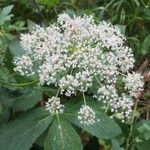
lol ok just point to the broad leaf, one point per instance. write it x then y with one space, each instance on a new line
145 145
62 136
15 48
115 144
141 134
22 133
4 14
7 97
146 45
145 129
106 128
28 99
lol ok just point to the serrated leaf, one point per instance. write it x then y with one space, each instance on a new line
4 14
62 136
106 128
6 10
29 98
21 133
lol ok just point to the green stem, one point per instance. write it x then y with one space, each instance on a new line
98 81
84 98
122 74
20 85
60 128
132 124
57 92
107 108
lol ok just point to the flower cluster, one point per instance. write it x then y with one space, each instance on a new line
54 106
74 52
24 65
86 115
134 82
121 106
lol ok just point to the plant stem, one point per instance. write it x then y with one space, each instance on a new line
57 92
21 84
98 81
132 124
84 98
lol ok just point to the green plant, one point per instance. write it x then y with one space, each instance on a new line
23 101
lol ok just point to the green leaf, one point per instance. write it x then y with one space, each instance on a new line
31 25
146 13
146 45
1 109
29 98
106 128
115 144
143 145
4 14
145 129
62 136
4 117
141 133
15 48
122 28
7 97
22 133
6 10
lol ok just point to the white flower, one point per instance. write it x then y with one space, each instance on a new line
106 93
134 82
50 68
68 84
76 52
86 115
24 65
54 106
84 79
122 107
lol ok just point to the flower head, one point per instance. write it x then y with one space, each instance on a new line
134 82
86 115
54 106
74 52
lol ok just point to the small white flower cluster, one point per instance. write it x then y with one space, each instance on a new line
68 84
86 115
134 82
72 53
120 105
106 93
54 105
48 70
24 65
